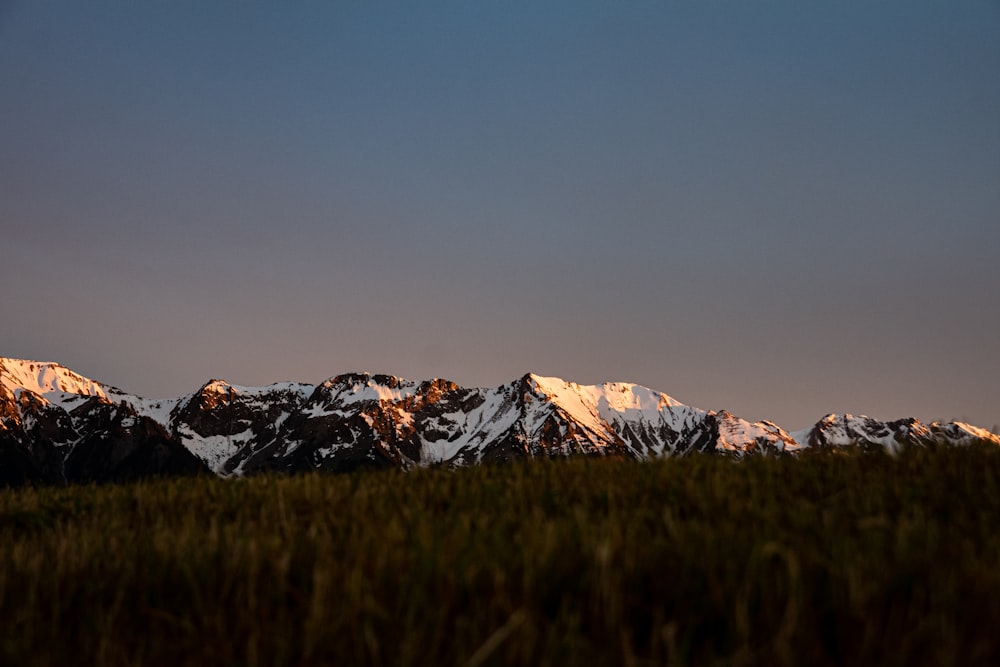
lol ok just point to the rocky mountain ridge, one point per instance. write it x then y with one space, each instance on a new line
57 426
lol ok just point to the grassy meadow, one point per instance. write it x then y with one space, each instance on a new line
825 559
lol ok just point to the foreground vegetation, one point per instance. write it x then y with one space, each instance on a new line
822 560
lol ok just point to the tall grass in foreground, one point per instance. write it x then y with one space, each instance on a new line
821 560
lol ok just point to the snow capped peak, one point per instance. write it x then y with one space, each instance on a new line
737 434
367 379
607 411
623 396
50 380
357 387
968 428
846 430
609 398
547 385
216 386
962 433
224 388
10 364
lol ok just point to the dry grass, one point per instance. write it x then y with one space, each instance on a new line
822 560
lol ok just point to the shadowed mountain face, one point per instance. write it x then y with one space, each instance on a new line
57 426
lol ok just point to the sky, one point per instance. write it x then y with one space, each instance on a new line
783 209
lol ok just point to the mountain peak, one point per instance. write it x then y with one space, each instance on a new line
614 396
349 388
364 378
48 379
217 386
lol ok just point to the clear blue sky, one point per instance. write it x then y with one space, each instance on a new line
778 208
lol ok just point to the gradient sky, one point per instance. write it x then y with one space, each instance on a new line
782 209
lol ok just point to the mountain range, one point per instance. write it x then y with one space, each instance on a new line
57 426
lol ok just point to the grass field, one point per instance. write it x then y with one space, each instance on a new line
835 559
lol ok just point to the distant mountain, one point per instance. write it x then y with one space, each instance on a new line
57 426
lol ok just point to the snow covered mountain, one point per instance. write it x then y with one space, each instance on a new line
57 426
